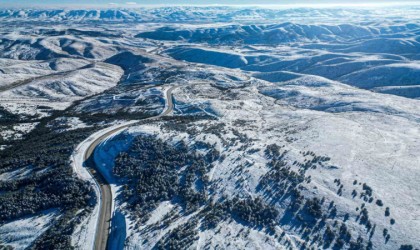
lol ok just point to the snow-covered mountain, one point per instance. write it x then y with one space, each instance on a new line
286 33
186 14
283 128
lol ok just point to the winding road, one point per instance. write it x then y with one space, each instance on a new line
105 206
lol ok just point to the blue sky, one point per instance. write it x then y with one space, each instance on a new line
22 3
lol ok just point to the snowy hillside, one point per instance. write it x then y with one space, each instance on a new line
282 33
210 128
377 71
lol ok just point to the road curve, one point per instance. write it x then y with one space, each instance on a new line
105 206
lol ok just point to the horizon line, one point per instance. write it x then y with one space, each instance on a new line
133 5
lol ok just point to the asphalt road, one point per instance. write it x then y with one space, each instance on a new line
26 81
105 211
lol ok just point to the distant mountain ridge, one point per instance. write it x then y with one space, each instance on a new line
200 14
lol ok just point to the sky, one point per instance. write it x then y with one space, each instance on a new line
30 3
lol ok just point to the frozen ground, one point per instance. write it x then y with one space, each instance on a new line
84 235
361 141
22 232
337 84
17 131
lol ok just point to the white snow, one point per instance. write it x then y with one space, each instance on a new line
20 233
341 82
16 174
16 131
84 235
379 135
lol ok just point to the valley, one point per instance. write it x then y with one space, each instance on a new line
210 128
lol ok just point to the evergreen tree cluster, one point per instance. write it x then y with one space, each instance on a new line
50 184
